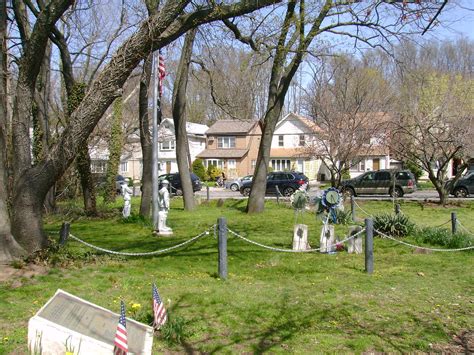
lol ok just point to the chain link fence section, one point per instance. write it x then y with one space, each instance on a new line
418 246
291 250
156 252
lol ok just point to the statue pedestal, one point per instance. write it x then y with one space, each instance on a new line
162 228
300 237
327 241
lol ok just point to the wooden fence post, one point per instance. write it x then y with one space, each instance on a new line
353 209
369 245
207 193
454 222
222 244
64 233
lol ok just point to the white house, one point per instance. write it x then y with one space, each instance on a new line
289 149
131 160
167 144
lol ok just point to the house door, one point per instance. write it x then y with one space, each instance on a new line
376 164
168 167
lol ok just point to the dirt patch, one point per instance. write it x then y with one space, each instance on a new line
462 343
9 273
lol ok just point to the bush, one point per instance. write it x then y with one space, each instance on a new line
396 225
345 174
414 168
443 237
343 217
199 169
213 172
174 331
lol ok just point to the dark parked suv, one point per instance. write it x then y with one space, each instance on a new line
284 182
175 182
380 182
463 187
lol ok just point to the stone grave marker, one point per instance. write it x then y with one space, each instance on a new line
328 239
84 326
300 237
355 244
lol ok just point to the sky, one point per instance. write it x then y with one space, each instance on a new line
456 20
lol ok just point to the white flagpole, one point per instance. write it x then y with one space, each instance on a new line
155 208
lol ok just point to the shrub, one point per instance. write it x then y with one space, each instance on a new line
199 169
443 237
414 168
343 217
397 225
213 172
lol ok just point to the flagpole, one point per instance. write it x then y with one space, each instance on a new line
154 159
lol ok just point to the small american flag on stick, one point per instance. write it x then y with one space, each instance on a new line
159 311
161 71
120 342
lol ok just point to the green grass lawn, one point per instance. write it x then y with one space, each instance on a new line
276 302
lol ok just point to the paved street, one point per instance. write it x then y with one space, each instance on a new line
421 195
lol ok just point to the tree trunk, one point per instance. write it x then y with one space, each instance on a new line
256 201
115 151
161 29
41 121
9 248
179 118
83 166
145 139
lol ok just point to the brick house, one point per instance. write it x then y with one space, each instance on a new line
232 146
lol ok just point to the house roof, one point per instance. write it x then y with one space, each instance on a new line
222 153
191 128
227 127
287 153
306 121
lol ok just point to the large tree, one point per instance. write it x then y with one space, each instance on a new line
435 113
372 23
31 183
348 101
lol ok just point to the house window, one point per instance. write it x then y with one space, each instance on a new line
167 145
226 142
280 141
362 165
124 166
215 162
302 142
231 164
98 166
281 164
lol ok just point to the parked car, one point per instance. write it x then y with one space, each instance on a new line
380 182
175 182
283 182
235 185
463 187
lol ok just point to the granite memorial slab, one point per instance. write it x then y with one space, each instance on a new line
83 326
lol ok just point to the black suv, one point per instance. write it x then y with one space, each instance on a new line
282 182
175 182
380 182
463 187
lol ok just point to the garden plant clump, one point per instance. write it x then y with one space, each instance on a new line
394 224
443 237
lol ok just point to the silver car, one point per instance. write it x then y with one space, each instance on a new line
235 185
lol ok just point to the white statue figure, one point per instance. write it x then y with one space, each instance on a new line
127 197
164 205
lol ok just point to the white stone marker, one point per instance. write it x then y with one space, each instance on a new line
327 241
300 237
355 244
69 319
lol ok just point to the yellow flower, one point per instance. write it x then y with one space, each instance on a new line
136 306
69 353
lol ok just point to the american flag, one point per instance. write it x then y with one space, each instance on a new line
159 311
161 71
120 342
